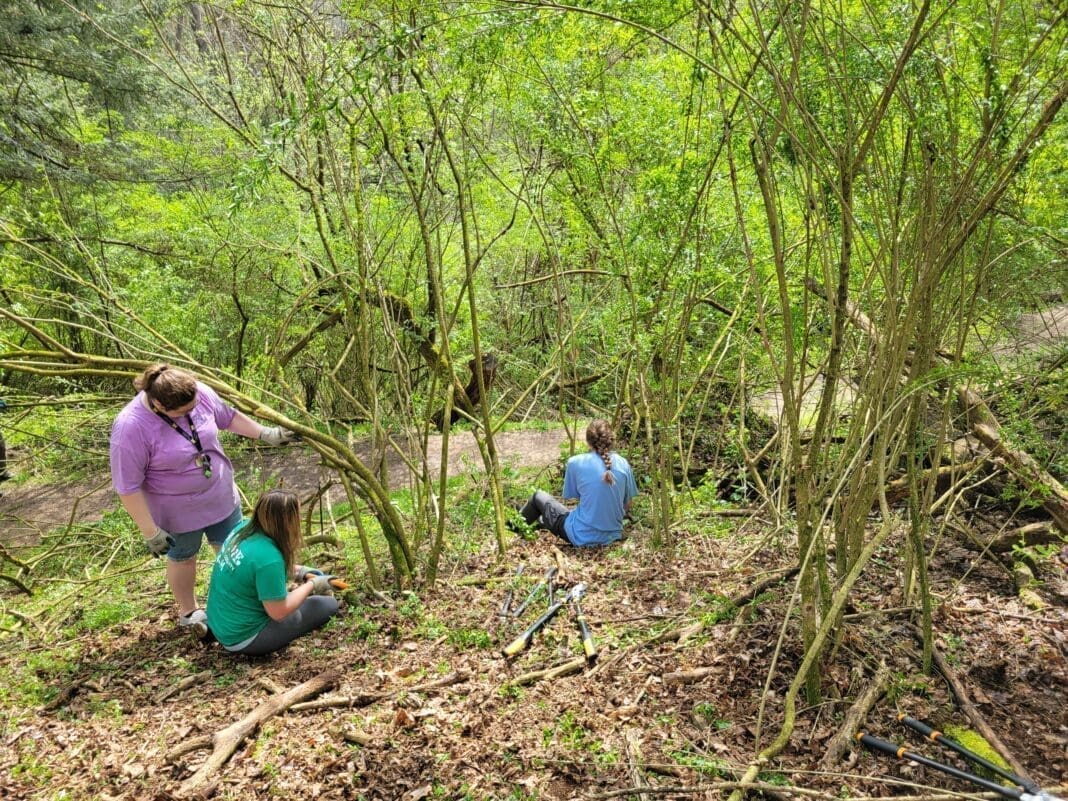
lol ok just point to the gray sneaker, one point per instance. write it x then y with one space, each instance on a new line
196 622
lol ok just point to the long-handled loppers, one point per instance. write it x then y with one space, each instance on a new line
900 752
506 604
588 645
936 736
546 584
520 643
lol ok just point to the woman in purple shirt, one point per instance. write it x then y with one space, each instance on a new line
171 474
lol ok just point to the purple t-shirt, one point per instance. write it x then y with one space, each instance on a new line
149 456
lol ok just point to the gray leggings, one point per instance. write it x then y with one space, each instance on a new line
313 613
544 511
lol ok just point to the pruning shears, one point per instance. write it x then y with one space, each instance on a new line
1026 790
506 604
520 643
589 647
545 583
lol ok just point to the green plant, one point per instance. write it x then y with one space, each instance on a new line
469 638
706 713
709 765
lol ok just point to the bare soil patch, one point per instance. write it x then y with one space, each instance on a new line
29 510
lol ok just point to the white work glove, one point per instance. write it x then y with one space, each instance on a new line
301 573
276 435
321 584
159 543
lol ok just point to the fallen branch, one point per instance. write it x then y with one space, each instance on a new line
843 740
1026 537
566 669
185 683
944 476
1054 496
226 741
366 699
689 676
966 706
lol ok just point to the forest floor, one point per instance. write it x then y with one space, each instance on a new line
420 703
423 705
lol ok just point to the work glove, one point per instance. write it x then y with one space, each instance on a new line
321 584
302 572
276 435
159 543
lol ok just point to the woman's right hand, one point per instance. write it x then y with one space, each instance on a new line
160 542
320 584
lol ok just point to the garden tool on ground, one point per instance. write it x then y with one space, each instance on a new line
506 604
520 643
588 645
936 736
899 751
546 582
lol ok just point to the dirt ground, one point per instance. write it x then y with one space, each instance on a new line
27 511
420 702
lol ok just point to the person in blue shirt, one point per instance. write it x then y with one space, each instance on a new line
604 485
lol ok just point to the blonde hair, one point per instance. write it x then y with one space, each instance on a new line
601 437
170 387
277 514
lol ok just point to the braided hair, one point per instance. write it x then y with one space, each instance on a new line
600 437
170 387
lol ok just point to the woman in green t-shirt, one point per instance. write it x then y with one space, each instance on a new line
249 609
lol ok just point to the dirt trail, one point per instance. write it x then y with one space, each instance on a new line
28 511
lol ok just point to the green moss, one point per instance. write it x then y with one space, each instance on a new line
975 743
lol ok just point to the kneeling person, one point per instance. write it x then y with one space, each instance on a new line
249 609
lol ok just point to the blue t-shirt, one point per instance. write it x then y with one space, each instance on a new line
598 518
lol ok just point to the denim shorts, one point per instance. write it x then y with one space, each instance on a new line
187 543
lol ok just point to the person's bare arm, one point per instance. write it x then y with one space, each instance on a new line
137 507
245 426
277 610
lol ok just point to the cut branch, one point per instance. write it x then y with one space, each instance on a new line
226 741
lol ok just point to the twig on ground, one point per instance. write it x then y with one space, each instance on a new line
840 742
366 699
567 668
184 684
226 741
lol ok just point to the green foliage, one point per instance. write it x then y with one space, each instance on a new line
977 744
568 733
702 763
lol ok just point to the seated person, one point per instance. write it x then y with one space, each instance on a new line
249 609
604 485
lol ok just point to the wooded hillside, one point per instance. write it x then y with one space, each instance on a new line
810 260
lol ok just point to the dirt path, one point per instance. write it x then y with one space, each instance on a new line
28 511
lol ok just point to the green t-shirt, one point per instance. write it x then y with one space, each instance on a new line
243 578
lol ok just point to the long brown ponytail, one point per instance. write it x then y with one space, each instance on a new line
600 437
277 514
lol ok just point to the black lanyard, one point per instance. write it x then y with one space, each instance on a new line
203 460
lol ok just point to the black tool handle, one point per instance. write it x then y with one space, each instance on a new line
936 736
929 732
894 750
520 643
